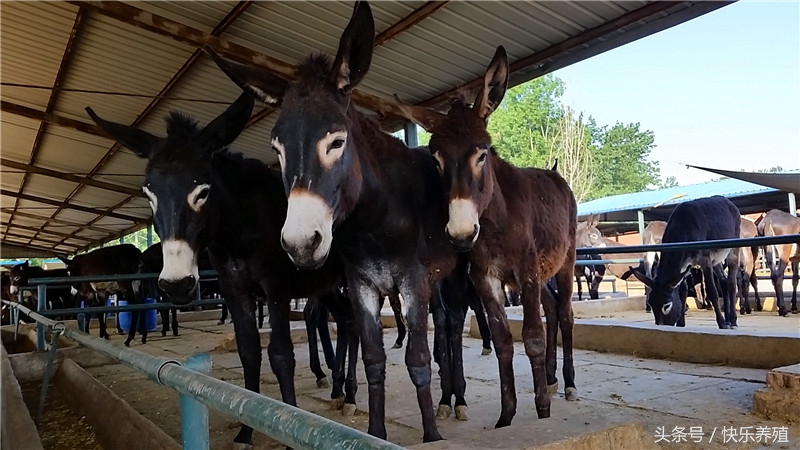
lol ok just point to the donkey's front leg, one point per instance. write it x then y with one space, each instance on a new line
366 308
713 295
490 290
416 293
533 336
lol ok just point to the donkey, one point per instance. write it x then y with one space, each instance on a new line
652 235
57 297
587 235
519 225
352 185
123 259
747 268
204 196
779 223
703 219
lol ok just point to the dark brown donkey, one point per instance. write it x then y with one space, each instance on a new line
520 225
780 223
351 184
204 196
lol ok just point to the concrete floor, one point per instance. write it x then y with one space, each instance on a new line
613 390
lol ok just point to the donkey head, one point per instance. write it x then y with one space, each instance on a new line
314 137
587 234
178 183
18 277
463 151
664 298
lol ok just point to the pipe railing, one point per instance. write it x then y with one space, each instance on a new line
287 424
695 245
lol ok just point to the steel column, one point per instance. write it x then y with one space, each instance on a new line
41 291
640 216
194 415
410 130
792 204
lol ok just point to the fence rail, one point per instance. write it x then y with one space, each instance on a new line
285 423
696 245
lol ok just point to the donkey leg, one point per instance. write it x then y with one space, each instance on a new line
366 308
474 302
490 290
351 382
310 312
397 309
776 275
175 322
551 316
795 280
712 295
456 326
440 348
566 323
340 357
754 283
242 311
280 349
325 337
417 293
164 321
533 337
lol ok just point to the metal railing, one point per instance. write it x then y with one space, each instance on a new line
696 245
285 423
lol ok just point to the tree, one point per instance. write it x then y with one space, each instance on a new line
568 142
668 183
620 157
517 125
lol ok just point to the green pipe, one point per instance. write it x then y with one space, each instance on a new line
285 423
194 415
130 276
125 308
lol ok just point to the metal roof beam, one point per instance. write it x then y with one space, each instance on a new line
416 16
40 239
66 122
34 247
196 38
29 168
66 60
59 221
232 15
54 233
67 205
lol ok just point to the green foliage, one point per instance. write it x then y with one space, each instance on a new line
524 131
517 125
668 183
620 157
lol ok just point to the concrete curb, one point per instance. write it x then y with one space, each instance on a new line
17 429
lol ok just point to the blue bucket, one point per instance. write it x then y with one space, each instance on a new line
150 317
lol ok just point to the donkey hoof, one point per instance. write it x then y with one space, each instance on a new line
552 389
795 311
127 343
443 412
782 312
734 327
571 393
337 403
323 383
398 345
163 333
221 322
349 409
461 413
486 351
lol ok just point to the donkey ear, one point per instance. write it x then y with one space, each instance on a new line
224 129
422 116
265 86
641 276
495 82
355 49
142 143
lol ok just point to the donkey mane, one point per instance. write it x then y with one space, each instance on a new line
181 124
314 70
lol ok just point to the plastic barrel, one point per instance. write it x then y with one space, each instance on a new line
150 317
124 317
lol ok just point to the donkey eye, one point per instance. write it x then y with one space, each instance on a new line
336 144
482 157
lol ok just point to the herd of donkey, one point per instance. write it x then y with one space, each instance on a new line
445 227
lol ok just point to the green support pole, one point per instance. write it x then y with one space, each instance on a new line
194 415
41 291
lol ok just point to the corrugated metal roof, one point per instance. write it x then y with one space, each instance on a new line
124 64
728 187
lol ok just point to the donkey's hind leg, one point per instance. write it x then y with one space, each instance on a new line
566 323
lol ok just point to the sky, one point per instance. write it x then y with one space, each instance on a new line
721 90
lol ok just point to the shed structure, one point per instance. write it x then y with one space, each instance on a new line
66 187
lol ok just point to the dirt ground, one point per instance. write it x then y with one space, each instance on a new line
664 396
